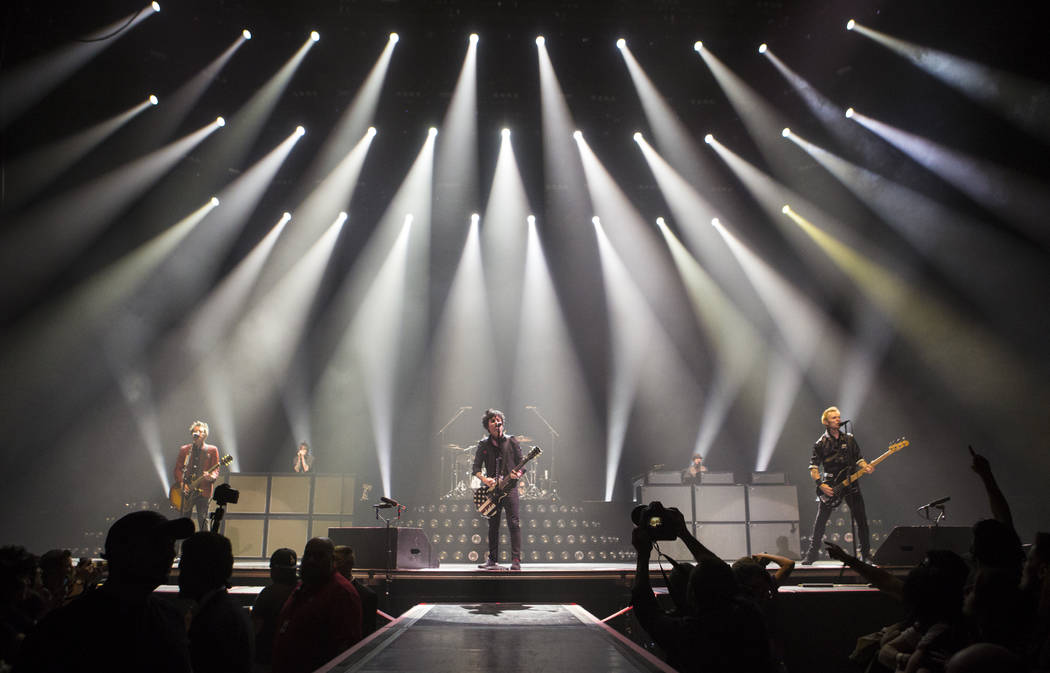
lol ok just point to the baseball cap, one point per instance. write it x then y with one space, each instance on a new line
145 526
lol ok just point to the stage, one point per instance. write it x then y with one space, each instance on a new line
825 593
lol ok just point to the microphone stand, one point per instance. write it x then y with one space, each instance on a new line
852 519
925 509
554 433
389 540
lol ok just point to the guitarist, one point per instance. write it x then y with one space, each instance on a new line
498 454
196 459
838 454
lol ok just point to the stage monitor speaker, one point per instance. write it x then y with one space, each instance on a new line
370 544
907 545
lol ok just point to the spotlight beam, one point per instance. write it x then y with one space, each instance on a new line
1019 199
55 232
944 340
26 85
1017 99
30 173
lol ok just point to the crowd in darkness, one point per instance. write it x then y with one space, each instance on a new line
987 612
57 618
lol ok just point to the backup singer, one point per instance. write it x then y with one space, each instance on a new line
304 459
691 474
197 459
499 454
838 454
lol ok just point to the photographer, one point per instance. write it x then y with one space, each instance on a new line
723 630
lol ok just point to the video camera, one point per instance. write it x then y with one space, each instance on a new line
660 522
226 495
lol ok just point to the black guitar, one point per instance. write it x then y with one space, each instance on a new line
843 480
487 498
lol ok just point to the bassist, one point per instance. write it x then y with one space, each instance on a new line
498 454
837 453
197 459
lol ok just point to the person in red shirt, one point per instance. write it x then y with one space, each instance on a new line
322 617
197 460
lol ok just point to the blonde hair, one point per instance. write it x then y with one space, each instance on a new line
824 416
200 424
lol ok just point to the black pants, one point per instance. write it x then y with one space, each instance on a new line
855 502
509 503
200 503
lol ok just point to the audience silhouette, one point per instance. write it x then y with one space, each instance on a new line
220 635
122 626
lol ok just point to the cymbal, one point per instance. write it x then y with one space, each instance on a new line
456 447
524 438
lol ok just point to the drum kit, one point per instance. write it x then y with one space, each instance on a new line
535 484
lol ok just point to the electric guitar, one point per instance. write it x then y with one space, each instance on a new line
487 498
843 480
180 497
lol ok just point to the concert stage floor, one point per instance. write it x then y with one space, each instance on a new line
505 637
820 613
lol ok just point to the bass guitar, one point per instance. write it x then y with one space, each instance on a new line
487 498
178 496
843 480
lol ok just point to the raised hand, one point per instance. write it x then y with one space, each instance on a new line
980 464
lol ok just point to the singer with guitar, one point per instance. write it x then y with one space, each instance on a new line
196 461
499 454
837 452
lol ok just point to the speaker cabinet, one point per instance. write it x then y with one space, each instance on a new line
246 536
720 503
907 545
780 538
773 503
678 496
410 547
291 533
727 540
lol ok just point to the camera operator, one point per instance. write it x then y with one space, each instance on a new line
722 629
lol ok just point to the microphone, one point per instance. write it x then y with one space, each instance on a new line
935 503
388 502
844 421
